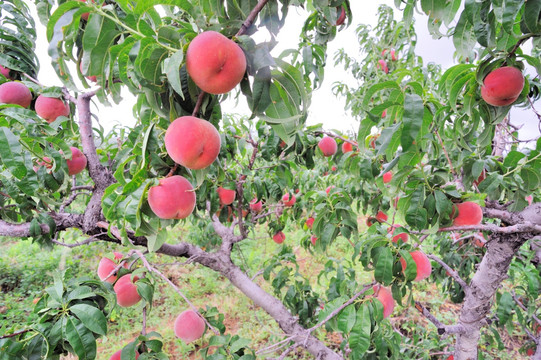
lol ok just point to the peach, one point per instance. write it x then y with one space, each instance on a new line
313 240
402 236
51 108
530 351
384 113
386 298
334 168
529 199
189 326
469 213
424 268
226 196
310 222
77 162
451 357
107 265
279 237
13 92
387 177
126 291
341 17
329 188
382 64
328 146
347 147
116 356
5 71
173 198
287 201
502 86
480 240
380 217
215 63
192 142
256 206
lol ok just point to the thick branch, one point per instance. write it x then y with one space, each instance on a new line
452 272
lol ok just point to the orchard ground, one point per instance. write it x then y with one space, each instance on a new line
25 270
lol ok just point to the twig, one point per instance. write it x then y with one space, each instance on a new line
452 272
251 17
198 103
442 329
91 239
15 334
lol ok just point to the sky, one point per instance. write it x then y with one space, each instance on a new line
325 108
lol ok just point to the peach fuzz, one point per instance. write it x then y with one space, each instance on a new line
347 147
215 63
310 222
387 177
328 146
5 71
51 108
116 356
402 236
106 266
77 162
13 92
386 298
173 198
287 201
256 206
126 291
192 142
502 86
469 213
189 326
279 237
226 196
424 267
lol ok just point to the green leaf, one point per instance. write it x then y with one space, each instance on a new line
384 266
412 119
11 153
155 241
346 319
505 308
532 12
510 12
512 159
80 338
359 337
172 70
91 317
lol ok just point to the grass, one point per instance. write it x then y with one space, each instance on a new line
25 269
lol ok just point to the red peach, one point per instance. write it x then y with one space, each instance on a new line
328 146
77 162
226 196
329 188
384 113
126 291
393 55
5 71
386 299
502 86
529 199
382 64
116 356
480 240
530 351
192 142
310 222
334 168
173 198
313 240
287 201
51 108
451 357
402 236
341 17
14 92
387 177
469 213
380 217
279 237
424 267
189 326
347 147
256 206
85 16
215 63
107 265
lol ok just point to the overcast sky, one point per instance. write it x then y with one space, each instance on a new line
324 108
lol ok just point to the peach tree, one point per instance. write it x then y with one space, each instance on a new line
436 165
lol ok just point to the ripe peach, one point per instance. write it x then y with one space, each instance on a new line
480 240
173 198
451 357
189 326
313 240
215 63
116 356
380 217
384 113
226 196
77 162
334 168
310 222
347 147
192 142
287 201
85 16
329 188
402 236
424 268
256 206
13 92
387 177
126 291
279 237
529 199
50 108
469 213
386 299
341 17
530 351
328 146
5 71
502 86
382 64
107 265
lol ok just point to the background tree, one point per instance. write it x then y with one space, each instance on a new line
436 165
